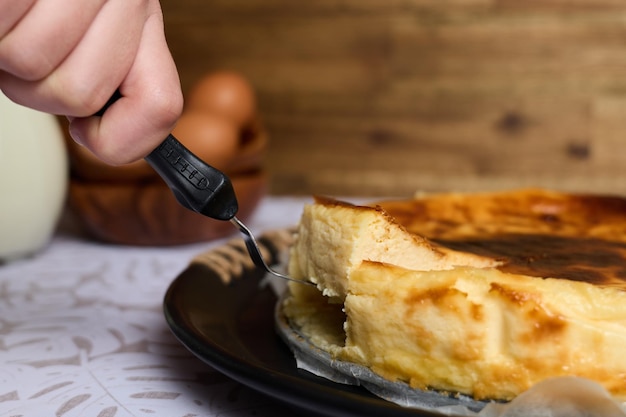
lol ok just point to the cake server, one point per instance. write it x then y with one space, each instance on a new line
206 190
202 188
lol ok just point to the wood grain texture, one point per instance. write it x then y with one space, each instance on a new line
379 98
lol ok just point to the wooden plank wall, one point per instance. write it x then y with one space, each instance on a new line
386 97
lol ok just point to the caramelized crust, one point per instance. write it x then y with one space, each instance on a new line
530 232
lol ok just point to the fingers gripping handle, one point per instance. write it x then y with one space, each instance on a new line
195 184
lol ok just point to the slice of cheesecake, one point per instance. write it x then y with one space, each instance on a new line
334 237
481 294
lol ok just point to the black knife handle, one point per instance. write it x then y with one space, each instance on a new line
195 184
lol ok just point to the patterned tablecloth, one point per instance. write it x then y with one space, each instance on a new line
82 333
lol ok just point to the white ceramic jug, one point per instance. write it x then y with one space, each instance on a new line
34 178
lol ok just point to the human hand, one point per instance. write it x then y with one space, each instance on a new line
68 57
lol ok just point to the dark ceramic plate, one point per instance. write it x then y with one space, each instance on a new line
231 327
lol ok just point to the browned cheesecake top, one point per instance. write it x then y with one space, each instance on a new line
532 232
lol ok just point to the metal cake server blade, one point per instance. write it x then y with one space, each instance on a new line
255 253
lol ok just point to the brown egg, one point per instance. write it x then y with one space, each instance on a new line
212 138
251 153
226 94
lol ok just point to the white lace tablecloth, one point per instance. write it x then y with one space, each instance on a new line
82 333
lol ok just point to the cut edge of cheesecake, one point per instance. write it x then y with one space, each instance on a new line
481 331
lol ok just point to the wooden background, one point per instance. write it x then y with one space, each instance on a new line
386 97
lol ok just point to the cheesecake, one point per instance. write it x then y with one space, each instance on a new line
482 294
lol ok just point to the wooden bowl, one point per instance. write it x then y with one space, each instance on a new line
148 214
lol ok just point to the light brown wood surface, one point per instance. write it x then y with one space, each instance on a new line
386 97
